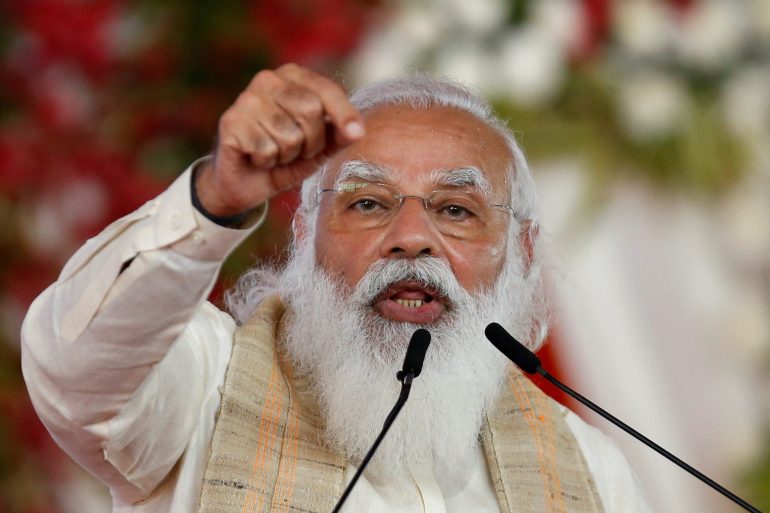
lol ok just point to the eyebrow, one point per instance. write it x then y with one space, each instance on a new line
361 170
468 176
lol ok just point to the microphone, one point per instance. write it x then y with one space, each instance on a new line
415 356
529 363
512 348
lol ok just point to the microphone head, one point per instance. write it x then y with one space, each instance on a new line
512 348
415 352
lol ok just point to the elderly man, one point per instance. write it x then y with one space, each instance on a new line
417 210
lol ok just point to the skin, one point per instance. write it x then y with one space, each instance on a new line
289 121
276 134
413 143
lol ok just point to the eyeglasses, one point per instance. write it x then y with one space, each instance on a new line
456 213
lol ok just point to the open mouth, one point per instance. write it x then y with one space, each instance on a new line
411 301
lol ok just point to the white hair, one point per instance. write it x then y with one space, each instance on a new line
349 357
422 91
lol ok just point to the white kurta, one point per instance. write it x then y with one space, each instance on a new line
125 370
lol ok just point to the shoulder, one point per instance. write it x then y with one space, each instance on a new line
616 482
208 336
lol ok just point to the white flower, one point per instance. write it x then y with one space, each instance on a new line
713 33
132 32
58 214
745 239
563 20
643 27
476 16
67 93
531 66
652 104
420 25
746 101
470 63
385 54
744 232
416 28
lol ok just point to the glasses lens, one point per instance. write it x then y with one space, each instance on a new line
454 212
460 213
364 205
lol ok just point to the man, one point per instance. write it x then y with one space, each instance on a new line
417 210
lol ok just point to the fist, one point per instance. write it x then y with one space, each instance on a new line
276 134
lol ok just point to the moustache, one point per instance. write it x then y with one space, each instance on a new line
431 273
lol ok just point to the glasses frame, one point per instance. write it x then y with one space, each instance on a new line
400 197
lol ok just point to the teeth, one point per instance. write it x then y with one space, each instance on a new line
410 303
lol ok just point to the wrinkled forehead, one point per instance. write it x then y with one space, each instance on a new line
420 148
465 177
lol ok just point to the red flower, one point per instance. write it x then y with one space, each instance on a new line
310 32
66 30
597 20
127 187
20 158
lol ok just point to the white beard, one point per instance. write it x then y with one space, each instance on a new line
350 356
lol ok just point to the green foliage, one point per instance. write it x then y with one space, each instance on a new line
757 479
702 158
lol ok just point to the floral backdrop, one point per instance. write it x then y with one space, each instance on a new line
104 102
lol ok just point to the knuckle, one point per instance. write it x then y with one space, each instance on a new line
264 78
286 127
226 121
265 147
291 68
310 106
291 139
302 102
264 154
227 141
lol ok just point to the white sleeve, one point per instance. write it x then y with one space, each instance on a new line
618 486
94 344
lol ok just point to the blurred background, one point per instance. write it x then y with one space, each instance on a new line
647 125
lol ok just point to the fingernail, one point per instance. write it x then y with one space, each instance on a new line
354 129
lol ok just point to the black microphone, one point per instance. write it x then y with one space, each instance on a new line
529 363
415 356
512 348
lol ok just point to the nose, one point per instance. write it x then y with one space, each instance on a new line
410 233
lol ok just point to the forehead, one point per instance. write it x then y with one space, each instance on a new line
416 143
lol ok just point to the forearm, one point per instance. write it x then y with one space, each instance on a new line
97 334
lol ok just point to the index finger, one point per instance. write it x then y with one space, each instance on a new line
345 118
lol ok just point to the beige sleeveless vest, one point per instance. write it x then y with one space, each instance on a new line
266 454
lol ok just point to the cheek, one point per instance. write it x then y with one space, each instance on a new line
477 266
327 244
327 252
344 255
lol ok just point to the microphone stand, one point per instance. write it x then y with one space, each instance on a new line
649 443
528 362
406 378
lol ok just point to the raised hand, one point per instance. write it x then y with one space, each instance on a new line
276 134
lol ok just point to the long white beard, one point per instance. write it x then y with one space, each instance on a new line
351 356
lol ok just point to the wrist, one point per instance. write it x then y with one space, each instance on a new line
236 219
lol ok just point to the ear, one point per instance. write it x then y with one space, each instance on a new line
528 235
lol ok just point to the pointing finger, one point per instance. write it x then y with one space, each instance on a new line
346 120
